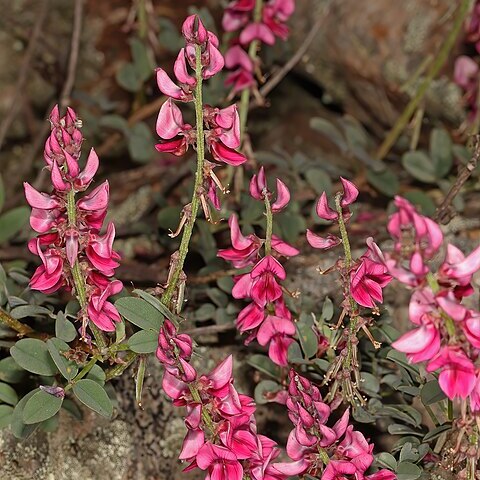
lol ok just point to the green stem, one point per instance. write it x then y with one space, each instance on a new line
343 233
78 279
252 53
269 226
440 60
195 204
83 371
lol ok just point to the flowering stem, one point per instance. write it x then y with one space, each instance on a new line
343 233
252 53
269 227
187 231
78 279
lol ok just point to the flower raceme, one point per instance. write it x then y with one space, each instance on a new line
447 332
251 24
69 232
327 453
220 128
221 437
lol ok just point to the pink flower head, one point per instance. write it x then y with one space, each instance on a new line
458 268
414 233
221 463
172 345
457 375
194 31
182 93
367 281
257 31
176 135
100 311
349 195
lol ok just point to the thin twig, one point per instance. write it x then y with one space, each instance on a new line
280 74
24 69
22 329
440 60
442 212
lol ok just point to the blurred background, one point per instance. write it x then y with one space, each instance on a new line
371 90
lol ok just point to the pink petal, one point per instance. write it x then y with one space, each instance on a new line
167 87
192 443
350 192
283 197
225 154
257 31
269 264
57 178
283 248
169 121
323 209
216 61
180 70
96 200
316 241
239 242
39 200
222 374
193 30
90 169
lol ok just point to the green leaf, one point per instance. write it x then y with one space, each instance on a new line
115 122
40 407
422 201
140 313
169 217
408 471
169 37
156 303
141 59
140 143
128 78
97 374
265 365
441 151
330 131
32 355
205 312
10 371
264 389
398 429
431 393
319 180
306 335
327 309
218 297
23 311
369 384
57 347
8 394
387 460
385 181
19 428
65 329
436 432
401 359
420 166
93 395
361 415
12 222
6 413
145 341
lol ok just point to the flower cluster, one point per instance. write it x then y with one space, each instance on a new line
367 277
447 332
266 318
222 436
74 254
327 453
220 128
252 25
466 71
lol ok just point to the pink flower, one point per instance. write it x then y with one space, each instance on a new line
100 251
367 281
259 190
457 376
350 194
475 395
419 344
48 277
277 332
322 243
100 311
221 463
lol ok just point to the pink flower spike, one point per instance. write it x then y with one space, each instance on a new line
57 179
316 241
283 197
169 120
193 30
96 200
323 209
181 72
39 200
350 192
257 31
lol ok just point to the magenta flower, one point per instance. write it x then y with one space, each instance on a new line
367 281
420 344
277 332
457 377
65 241
221 463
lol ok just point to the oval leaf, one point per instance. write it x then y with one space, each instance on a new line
8 394
57 347
420 166
64 329
19 428
91 394
140 313
145 341
6 413
32 355
40 407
